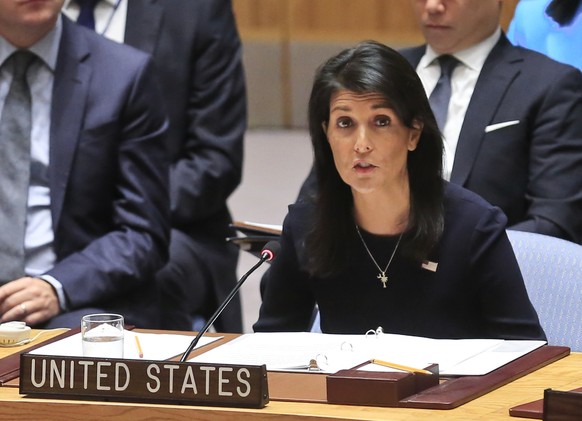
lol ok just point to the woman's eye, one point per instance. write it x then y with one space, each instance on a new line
343 123
383 121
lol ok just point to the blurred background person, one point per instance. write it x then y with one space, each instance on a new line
387 242
511 118
553 28
198 54
513 123
86 229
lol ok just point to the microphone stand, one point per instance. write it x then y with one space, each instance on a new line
264 257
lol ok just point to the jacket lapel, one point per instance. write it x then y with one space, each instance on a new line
414 54
499 70
70 92
144 18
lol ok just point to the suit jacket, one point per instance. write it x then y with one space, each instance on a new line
532 167
108 176
198 55
188 40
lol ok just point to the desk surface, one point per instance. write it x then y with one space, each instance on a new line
564 374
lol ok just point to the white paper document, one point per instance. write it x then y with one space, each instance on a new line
331 353
155 346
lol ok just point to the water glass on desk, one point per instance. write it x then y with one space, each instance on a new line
102 335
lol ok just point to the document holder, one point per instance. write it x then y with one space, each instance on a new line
374 388
562 406
534 409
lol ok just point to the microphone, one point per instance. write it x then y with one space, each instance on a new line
268 253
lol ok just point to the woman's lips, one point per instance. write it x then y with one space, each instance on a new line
363 167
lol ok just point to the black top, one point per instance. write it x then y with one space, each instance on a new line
477 290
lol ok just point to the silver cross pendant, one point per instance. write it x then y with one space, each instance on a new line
383 278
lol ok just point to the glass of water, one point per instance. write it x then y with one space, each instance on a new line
102 335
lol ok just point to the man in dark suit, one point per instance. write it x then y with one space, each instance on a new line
514 124
513 130
97 215
197 51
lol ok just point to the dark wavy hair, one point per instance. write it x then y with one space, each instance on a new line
371 67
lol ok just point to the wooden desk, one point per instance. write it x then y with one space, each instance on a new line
565 374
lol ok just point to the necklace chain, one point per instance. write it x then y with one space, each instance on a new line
382 275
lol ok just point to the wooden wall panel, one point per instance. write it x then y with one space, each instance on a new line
261 19
390 21
286 39
341 20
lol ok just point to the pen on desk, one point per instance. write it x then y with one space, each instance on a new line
400 367
138 346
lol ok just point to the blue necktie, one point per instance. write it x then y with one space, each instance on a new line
86 16
441 95
15 129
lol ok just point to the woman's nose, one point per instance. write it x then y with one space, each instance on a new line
363 143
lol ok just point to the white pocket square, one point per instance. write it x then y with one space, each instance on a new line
498 126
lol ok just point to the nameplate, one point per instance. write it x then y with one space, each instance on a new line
143 381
